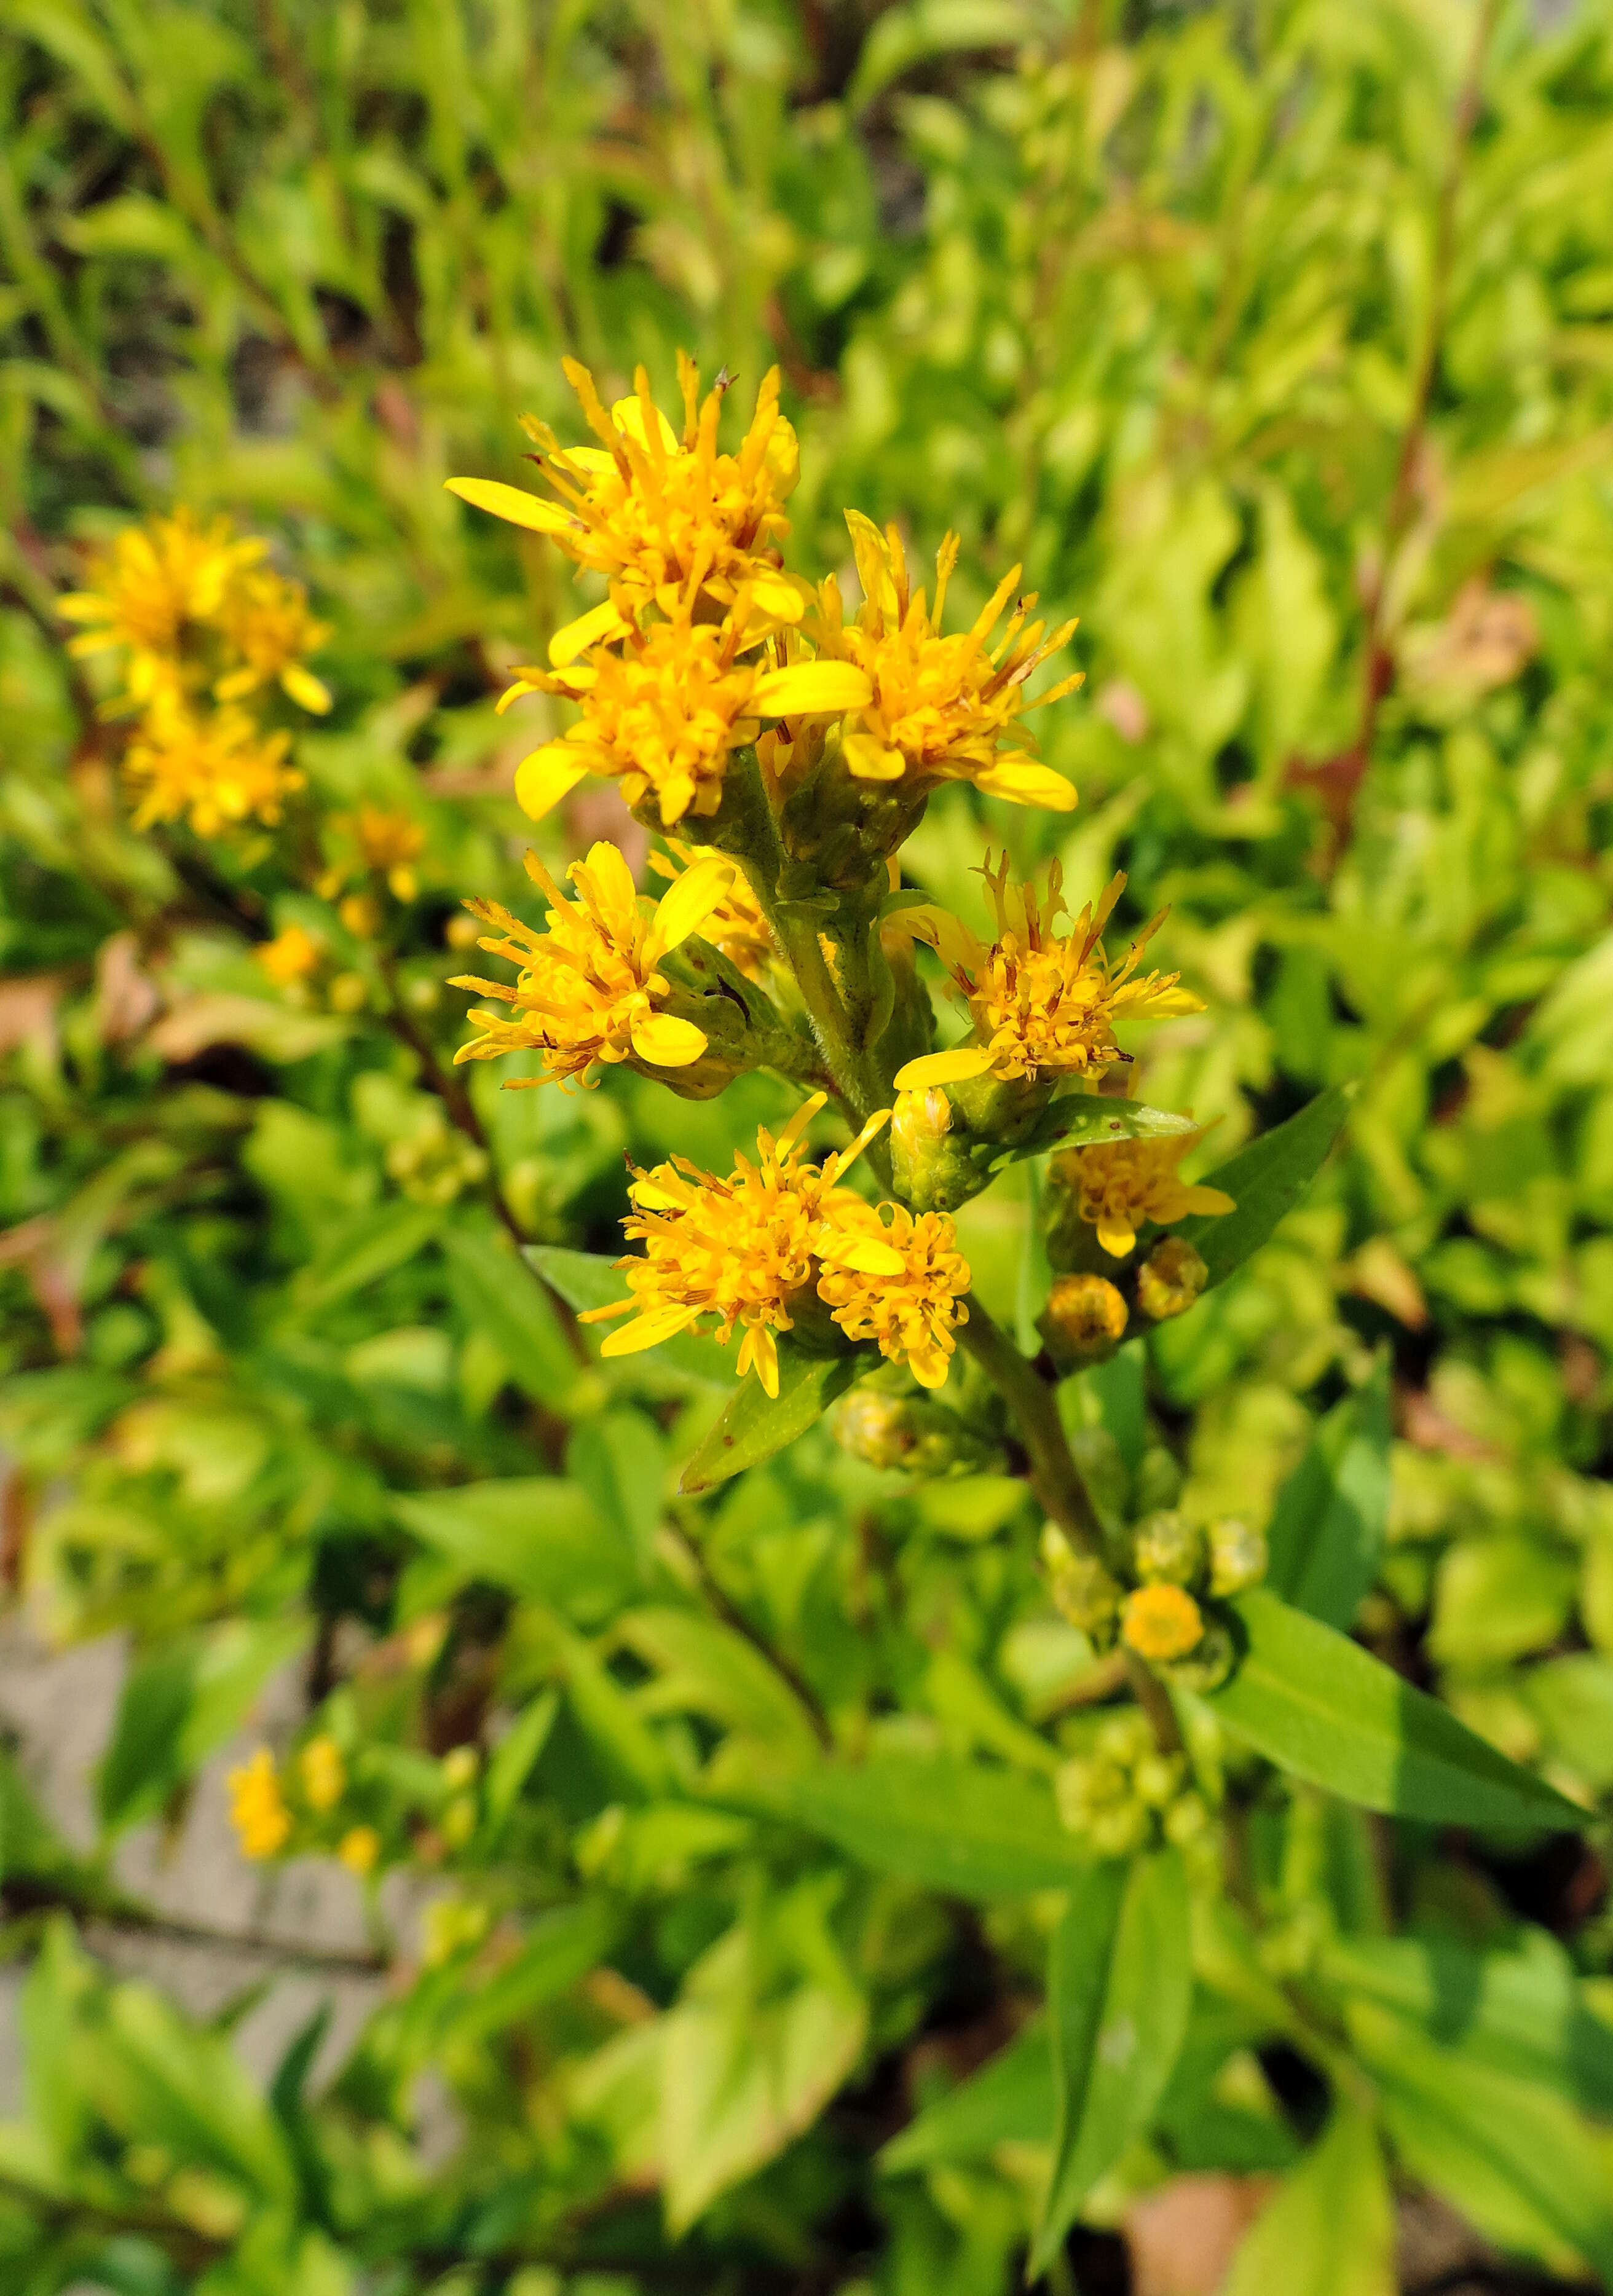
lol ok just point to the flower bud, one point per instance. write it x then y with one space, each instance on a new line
1162 1623
1238 1556
1084 1318
1084 1592
1167 1549
1212 1659
1158 1481
907 1432
931 1164
1169 1279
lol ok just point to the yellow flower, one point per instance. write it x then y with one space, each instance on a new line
652 509
898 1278
1038 1000
359 1849
258 1810
1086 1312
939 707
1121 1183
154 580
219 769
290 957
663 713
1162 1623
743 1250
391 843
735 925
266 622
588 990
323 1773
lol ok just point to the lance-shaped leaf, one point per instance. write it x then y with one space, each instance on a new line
1330 2229
1120 1988
1010 2100
1087 1120
587 1279
1328 1711
1265 1180
967 1827
1326 1532
756 1423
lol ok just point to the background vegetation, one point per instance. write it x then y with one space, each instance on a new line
1274 339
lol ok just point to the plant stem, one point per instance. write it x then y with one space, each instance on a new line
1034 1408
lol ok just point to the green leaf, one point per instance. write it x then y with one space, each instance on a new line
560 1945
756 1423
1010 2100
1327 1531
1085 1119
535 1534
30 1848
904 36
1330 2229
1324 1709
512 1760
497 1295
620 1460
963 1827
584 1280
364 1249
179 1704
704 1668
1265 1181
1120 1988
1513 2157
1521 2012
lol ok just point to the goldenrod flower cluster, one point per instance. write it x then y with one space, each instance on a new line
262 1815
1127 1793
1121 1185
764 1247
202 626
702 637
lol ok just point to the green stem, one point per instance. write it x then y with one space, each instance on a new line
1034 1408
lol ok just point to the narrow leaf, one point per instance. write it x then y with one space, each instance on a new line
1326 1710
1265 1181
535 1534
1330 2230
586 1279
1085 1119
1010 2100
756 1423
497 1295
965 1827
1120 1988
1326 1532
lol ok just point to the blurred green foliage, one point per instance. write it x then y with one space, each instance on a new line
1274 341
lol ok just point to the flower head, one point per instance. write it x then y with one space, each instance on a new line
940 708
1039 1000
219 769
266 624
359 1849
735 925
290 957
154 581
650 507
899 1278
258 1810
1162 1623
588 989
742 1248
389 844
1121 1183
663 712
322 1772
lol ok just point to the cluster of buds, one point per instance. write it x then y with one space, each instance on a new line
204 633
911 1432
1127 1795
1159 1597
301 1808
1102 1197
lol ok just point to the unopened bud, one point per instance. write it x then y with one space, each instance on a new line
906 1431
1167 1549
1211 1660
1169 1279
1162 1623
1238 1556
930 1162
1084 1592
1084 1319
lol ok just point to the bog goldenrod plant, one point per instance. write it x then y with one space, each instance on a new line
953 1604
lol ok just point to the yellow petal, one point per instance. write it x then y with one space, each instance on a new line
648 1332
607 863
667 1042
929 1366
547 775
1023 781
869 1257
872 554
1209 1200
870 760
1115 1238
691 900
955 1067
778 595
806 689
512 503
628 415
594 460
305 689
600 623
953 943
